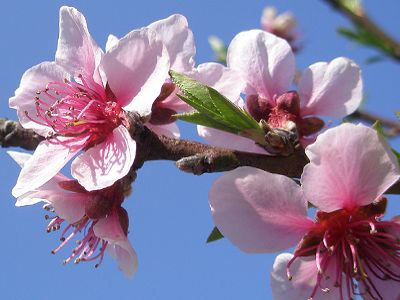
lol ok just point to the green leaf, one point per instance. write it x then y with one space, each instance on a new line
200 119
219 48
374 59
215 235
398 114
379 128
215 110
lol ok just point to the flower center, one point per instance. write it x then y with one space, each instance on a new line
358 245
283 111
98 204
79 116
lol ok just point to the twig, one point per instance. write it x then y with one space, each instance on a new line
360 18
190 156
393 127
12 134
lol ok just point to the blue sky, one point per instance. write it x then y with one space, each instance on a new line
169 213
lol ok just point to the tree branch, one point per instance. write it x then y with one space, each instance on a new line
393 127
12 134
360 18
190 156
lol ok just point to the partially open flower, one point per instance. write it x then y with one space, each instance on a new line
347 249
266 63
282 25
78 102
95 220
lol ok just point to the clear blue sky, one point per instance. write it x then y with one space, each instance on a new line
169 213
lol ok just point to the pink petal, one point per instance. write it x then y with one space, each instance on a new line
126 256
175 103
105 163
304 272
350 165
68 206
77 52
169 130
259 211
136 68
112 40
226 81
265 61
37 170
33 80
110 230
175 33
331 89
387 289
228 140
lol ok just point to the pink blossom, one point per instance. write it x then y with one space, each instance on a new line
266 63
178 38
78 102
348 248
282 25
96 216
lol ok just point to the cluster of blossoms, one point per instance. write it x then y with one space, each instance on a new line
347 249
81 104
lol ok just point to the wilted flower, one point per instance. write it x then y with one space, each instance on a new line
348 249
97 217
79 102
266 63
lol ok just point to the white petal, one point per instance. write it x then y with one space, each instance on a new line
105 163
175 33
37 170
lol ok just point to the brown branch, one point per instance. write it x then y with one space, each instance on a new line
360 18
12 134
393 127
190 156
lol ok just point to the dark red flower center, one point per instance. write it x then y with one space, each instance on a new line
360 247
283 111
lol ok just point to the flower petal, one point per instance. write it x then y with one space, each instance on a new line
34 80
76 51
37 170
112 40
331 89
110 230
169 130
387 289
19 157
105 163
226 81
350 165
228 140
136 68
175 33
265 61
259 211
126 256
304 272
